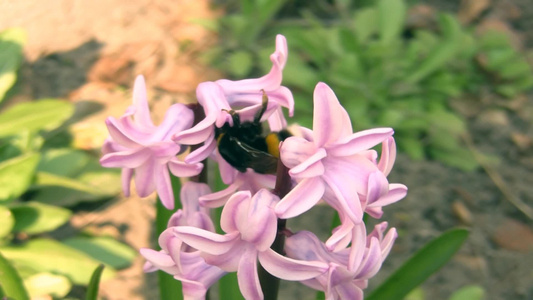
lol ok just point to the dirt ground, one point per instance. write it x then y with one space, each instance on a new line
92 50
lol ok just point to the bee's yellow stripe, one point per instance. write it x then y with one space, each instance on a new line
272 141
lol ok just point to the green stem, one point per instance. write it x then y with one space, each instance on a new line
169 288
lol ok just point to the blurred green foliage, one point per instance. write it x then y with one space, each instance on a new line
384 73
41 178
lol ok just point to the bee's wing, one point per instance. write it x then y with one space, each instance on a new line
260 161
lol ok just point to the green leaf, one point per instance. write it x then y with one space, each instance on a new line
46 255
391 19
33 217
64 191
420 266
63 162
94 284
11 43
10 282
229 287
240 63
16 175
6 221
460 158
443 52
44 284
469 292
44 114
104 249
365 23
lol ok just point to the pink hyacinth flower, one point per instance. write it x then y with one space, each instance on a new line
250 225
138 146
243 96
333 161
178 259
346 272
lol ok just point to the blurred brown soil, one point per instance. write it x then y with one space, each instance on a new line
90 52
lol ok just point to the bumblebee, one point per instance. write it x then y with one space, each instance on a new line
244 145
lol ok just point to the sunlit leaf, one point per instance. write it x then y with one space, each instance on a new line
33 217
44 284
10 282
104 249
11 43
46 255
420 266
16 175
469 292
43 114
6 221
94 284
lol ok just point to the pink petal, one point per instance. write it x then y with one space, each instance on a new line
290 269
219 198
227 172
357 250
232 210
190 194
247 276
144 178
296 150
181 169
277 121
130 159
203 152
198 134
328 116
359 141
140 102
388 156
270 81
164 187
157 258
177 118
311 167
372 261
259 227
349 291
119 135
206 241
346 197
378 186
388 242
396 193
301 198
126 176
341 237
192 290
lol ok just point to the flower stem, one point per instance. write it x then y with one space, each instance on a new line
269 283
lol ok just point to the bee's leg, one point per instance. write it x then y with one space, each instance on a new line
259 114
234 116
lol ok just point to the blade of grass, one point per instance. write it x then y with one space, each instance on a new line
169 288
94 284
420 266
10 282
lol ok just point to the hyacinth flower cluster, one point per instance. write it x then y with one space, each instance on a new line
327 165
